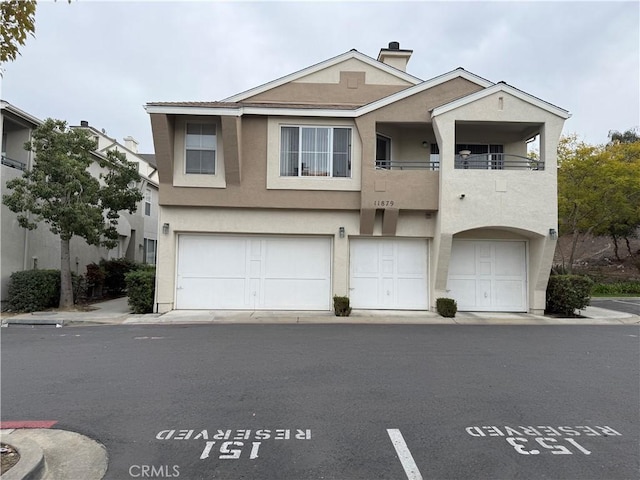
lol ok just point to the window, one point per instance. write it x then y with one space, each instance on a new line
150 250
201 149
315 152
147 202
383 151
481 156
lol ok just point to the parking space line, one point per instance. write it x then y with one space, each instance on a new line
408 463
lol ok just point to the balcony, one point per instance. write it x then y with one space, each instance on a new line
496 161
9 162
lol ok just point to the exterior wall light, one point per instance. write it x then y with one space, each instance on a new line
464 153
341 232
425 144
165 228
553 233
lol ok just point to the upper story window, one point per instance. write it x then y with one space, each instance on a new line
147 202
315 152
200 149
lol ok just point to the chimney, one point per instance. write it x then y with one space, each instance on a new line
131 143
84 123
394 56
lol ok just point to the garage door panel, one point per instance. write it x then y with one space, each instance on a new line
408 291
201 256
509 293
463 260
202 293
287 294
411 258
464 292
509 260
364 259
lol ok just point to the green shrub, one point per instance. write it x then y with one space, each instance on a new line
618 288
95 280
446 307
567 293
141 288
33 290
341 306
114 273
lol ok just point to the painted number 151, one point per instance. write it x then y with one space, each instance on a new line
523 447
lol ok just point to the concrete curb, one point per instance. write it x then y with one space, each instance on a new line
31 465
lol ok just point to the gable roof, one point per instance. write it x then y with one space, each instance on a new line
501 87
321 66
421 87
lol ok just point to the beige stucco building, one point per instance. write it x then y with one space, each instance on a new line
24 249
353 177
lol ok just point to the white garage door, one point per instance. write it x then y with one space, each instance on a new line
388 274
247 273
488 275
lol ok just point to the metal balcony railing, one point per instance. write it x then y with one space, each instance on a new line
9 162
407 165
497 161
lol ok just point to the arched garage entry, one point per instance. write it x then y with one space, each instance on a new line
488 271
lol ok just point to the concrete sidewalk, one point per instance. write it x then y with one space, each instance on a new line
50 454
117 312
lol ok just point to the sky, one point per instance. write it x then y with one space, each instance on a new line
101 61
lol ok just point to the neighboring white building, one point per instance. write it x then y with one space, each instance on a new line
23 249
353 177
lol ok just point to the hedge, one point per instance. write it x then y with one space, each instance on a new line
114 274
141 289
568 293
33 290
617 288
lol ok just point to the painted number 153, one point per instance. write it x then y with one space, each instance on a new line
524 447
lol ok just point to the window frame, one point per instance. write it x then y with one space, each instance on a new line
331 151
147 202
147 242
214 149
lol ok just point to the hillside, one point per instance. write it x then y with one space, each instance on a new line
595 256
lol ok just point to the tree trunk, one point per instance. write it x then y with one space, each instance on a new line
626 239
615 246
66 286
574 244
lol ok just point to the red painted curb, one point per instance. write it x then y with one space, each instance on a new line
28 424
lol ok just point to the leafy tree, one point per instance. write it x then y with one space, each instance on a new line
628 136
622 219
17 20
598 190
61 191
